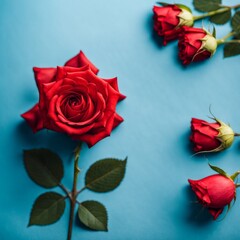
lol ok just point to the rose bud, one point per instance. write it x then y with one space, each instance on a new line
214 192
195 44
211 137
169 19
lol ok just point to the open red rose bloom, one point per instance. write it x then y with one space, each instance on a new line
74 100
214 192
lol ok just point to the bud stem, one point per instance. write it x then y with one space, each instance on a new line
212 13
237 185
236 134
223 39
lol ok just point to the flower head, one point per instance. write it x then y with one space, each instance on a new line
169 19
214 192
74 100
210 137
195 44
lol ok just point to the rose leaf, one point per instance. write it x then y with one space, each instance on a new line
207 5
93 215
44 167
105 175
231 49
47 209
221 18
235 22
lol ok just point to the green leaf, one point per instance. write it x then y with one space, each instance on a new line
105 175
163 3
184 7
207 5
93 215
221 18
236 22
44 167
231 49
237 36
218 170
47 209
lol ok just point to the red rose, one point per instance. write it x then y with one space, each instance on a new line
195 44
214 192
74 100
210 137
168 20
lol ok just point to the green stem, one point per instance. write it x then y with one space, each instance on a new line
237 185
212 13
78 192
65 190
232 7
232 41
218 11
74 191
223 39
237 134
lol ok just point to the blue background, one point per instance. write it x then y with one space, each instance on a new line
154 200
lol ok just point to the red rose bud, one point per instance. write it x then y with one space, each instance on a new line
169 19
210 137
214 192
195 44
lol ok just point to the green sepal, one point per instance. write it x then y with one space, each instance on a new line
218 170
233 176
228 208
182 6
163 3
214 32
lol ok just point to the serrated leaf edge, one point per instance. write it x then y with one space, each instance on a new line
32 224
105 227
47 170
123 161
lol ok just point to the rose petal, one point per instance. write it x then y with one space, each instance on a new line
81 60
62 71
44 75
117 120
215 212
34 118
114 83
95 135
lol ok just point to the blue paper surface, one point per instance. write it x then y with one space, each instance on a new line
154 202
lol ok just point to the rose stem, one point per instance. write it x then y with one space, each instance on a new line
74 191
223 39
212 13
65 190
237 134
